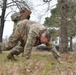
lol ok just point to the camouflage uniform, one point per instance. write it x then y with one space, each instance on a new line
28 33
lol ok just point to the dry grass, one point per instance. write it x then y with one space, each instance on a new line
40 63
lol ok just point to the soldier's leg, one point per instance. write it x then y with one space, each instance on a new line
13 40
15 51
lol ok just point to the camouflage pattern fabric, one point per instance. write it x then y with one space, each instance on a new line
15 16
53 49
28 33
18 49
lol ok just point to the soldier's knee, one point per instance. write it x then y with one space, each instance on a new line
16 52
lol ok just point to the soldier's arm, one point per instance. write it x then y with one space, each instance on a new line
53 50
31 40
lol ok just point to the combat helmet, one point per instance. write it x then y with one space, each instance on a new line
15 16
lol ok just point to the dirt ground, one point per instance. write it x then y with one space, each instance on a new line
40 63
68 67
69 57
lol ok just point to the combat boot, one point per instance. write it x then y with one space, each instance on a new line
11 56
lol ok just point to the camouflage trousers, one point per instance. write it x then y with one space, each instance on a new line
18 49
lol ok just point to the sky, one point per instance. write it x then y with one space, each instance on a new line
37 15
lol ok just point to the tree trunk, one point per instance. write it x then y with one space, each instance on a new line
71 44
63 34
2 19
0 33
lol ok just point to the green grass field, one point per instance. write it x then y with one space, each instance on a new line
40 63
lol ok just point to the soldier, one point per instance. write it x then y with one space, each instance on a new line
17 17
30 34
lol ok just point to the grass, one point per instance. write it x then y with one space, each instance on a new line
40 63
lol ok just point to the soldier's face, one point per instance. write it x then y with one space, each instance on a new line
43 39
